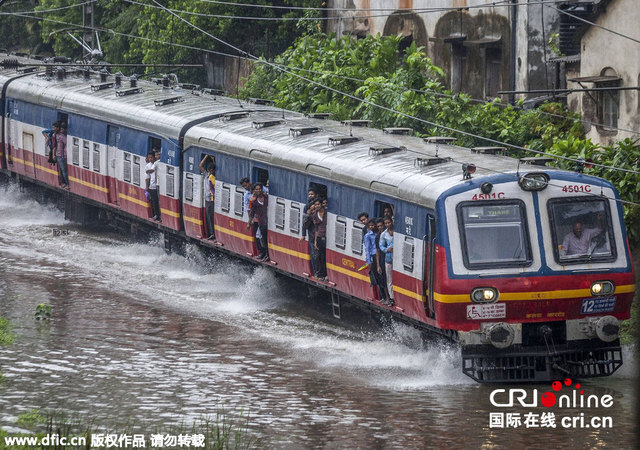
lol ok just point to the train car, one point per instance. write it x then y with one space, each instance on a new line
527 267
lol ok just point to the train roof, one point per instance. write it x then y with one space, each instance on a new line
401 166
416 169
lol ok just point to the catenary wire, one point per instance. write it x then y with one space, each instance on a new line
593 24
391 110
440 126
261 61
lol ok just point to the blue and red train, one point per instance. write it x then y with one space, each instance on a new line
484 250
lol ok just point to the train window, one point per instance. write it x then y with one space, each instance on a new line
280 208
581 230
384 209
27 141
494 235
238 201
188 187
126 168
321 189
225 198
260 175
96 157
153 143
356 237
170 181
294 218
75 152
408 250
136 170
85 154
341 232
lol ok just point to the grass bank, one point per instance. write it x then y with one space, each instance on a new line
219 433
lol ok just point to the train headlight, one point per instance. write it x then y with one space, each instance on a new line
484 295
500 335
602 288
536 181
607 328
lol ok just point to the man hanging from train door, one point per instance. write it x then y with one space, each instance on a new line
386 246
258 220
209 191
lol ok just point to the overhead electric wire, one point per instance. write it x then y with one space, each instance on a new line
254 58
593 24
338 18
261 61
40 11
391 110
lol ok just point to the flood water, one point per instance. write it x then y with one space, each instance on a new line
141 336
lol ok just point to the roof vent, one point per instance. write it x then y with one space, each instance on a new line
398 130
27 69
168 100
356 123
536 161
383 150
267 123
342 140
439 140
104 73
130 91
235 115
488 150
300 131
100 87
213 91
323 116
261 101
429 161
190 87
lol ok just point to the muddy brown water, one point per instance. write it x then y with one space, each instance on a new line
140 336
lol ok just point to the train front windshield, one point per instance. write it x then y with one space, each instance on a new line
582 230
494 234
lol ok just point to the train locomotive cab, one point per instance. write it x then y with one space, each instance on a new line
535 275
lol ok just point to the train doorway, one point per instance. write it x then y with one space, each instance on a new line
429 266
113 139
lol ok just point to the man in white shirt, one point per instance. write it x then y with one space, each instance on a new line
154 196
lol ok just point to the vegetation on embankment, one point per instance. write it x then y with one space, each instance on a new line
6 336
216 434
409 87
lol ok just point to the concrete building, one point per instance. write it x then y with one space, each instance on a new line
609 59
483 48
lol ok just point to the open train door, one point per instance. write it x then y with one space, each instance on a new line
113 139
429 266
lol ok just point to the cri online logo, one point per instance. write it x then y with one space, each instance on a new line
506 398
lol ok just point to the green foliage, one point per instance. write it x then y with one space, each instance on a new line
43 312
20 33
623 154
219 433
30 419
6 336
407 83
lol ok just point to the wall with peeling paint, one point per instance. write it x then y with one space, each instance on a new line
601 49
469 39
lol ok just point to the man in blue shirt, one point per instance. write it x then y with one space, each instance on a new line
386 247
371 251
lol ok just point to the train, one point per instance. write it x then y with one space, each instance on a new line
484 252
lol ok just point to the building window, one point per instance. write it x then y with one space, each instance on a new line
458 66
493 71
609 100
